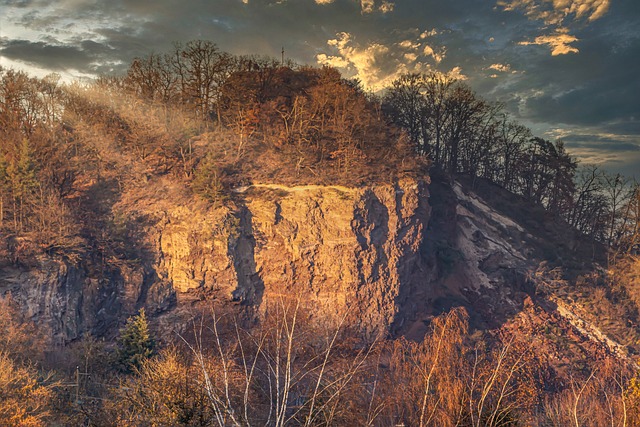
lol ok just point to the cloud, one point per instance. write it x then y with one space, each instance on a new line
369 63
437 56
556 12
332 61
500 67
456 73
377 64
559 42
85 56
560 15
599 87
429 33
369 6
594 145
366 6
602 142
386 7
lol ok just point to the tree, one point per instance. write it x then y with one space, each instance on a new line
405 104
22 175
25 398
589 205
144 78
629 228
201 69
512 139
420 104
19 337
135 343
207 180
4 185
618 194
463 106
25 394
167 390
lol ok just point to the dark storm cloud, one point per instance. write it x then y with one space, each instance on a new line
597 142
626 127
135 28
593 87
55 57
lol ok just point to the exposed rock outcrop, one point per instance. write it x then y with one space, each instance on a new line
345 252
349 252
385 258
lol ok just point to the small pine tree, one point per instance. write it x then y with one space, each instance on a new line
135 343
21 173
207 181
4 185
24 171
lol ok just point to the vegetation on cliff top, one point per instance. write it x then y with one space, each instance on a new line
206 121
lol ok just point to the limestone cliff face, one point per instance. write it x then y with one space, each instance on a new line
344 251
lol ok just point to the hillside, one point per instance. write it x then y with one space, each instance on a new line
291 260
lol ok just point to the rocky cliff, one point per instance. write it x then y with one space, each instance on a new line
385 258
346 252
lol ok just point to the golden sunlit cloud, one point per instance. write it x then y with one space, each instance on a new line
500 67
408 44
437 56
429 33
377 65
556 12
456 73
366 6
411 57
560 43
332 61
559 14
366 62
386 7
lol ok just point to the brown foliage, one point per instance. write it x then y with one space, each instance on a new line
19 338
25 397
167 390
25 400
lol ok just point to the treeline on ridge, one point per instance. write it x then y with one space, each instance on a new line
317 117
464 134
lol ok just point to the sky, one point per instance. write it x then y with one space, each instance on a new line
568 69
